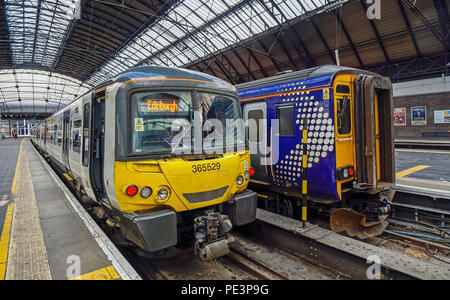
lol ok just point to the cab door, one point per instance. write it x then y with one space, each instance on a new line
344 129
256 115
97 142
66 138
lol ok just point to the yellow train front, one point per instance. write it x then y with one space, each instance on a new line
160 153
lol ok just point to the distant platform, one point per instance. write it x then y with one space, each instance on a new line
47 234
431 188
424 142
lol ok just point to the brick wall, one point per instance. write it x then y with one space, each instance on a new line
432 102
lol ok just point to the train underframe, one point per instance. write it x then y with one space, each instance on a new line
359 214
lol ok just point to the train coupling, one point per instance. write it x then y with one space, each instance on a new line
356 223
212 236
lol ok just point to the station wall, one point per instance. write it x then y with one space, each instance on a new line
414 98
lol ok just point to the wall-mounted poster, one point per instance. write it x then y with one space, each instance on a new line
419 115
441 116
400 116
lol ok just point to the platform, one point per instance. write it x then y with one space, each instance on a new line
46 233
426 142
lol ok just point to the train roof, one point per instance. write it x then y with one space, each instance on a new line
321 71
150 72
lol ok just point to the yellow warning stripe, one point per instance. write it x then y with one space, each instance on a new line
304 187
304 213
4 241
16 174
410 171
6 232
108 273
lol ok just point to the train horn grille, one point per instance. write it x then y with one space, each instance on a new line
205 196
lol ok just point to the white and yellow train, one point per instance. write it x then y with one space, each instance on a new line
124 156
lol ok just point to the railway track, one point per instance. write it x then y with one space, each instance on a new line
251 266
246 261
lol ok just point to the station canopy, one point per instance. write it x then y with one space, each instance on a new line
52 51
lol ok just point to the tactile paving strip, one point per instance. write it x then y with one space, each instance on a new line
27 258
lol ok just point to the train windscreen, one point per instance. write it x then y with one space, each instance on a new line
175 121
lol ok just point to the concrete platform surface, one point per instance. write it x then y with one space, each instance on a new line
51 235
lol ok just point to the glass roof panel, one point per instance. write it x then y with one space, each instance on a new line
38 28
23 89
204 27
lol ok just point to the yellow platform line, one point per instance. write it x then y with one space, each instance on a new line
410 171
108 273
6 232
4 241
16 174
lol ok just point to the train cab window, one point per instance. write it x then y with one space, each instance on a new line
342 89
344 115
86 121
220 117
285 115
255 115
160 120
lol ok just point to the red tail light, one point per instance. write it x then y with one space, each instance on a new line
251 171
132 190
351 172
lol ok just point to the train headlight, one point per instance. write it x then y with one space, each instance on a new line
146 192
345 173
251 171
239 180
132 190
247 175
163 194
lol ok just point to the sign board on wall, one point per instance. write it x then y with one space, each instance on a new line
442 116
400 116
419 115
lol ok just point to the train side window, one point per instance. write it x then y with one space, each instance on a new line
256 115
86 121
344 115
76 138
53 136
285 115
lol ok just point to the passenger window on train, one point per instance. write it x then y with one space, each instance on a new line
254 135
76 138
86 120
285 115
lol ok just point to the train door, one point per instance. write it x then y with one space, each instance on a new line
256 114
97 144
344 132
285 169
66 138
